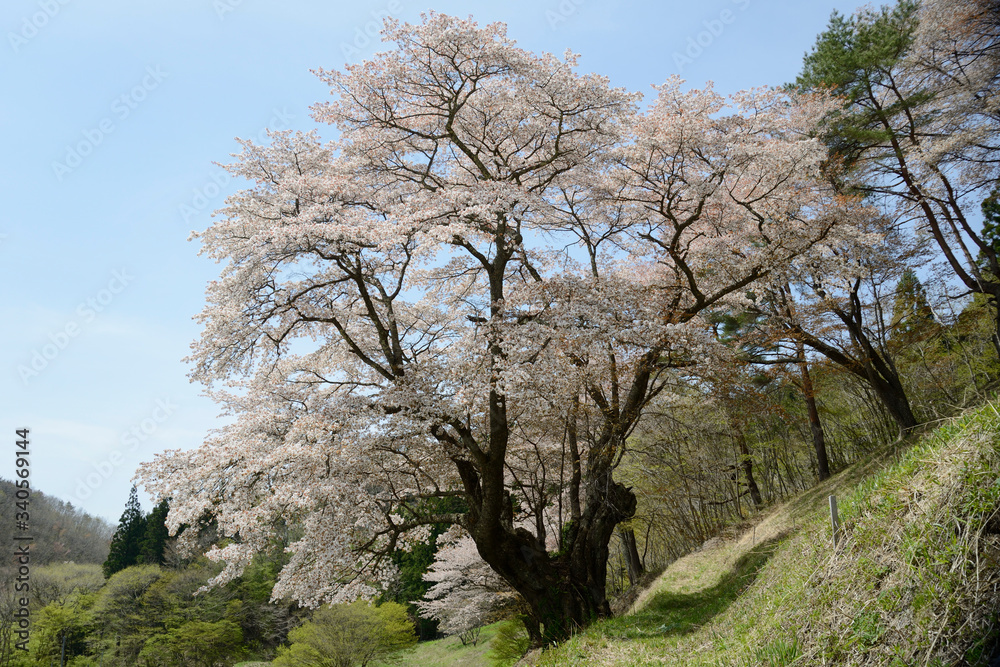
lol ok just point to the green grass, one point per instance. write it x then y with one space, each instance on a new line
672 613
450 651
437 653
667 613
913 581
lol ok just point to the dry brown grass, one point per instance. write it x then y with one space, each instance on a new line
915 581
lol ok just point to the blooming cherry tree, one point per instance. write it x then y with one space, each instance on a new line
466 591
474 292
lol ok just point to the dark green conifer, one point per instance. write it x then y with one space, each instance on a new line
155 538
125 544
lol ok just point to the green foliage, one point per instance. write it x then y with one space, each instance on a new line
912 317
194 643
410 585
126 542
122 614
57 581
264 624
509 644
346 635
55 623
149 615
853 49
154 539
122 595
257 581
855 58
952 365
414 563
139 538
991 219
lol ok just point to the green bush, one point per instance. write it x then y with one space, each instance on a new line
55 623
346 635
195 643
509 644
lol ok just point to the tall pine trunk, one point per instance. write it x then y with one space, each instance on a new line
815 426
632 559
746 463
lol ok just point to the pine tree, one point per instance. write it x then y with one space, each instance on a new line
125 544
156 535
918 127
912 317
991 225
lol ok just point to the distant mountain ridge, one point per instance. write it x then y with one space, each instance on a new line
61 531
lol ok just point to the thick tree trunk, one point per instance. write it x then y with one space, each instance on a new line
564 591
746 462
576 475
890 391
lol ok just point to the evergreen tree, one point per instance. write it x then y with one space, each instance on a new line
912 317
125 544
857 57
991 224
156 535
918 129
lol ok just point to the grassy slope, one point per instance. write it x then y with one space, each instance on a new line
445 652
913 581
449 651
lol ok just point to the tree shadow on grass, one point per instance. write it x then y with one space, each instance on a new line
678 614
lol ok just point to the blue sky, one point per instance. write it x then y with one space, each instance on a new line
113 113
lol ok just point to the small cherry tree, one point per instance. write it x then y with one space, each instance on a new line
467 592
474 292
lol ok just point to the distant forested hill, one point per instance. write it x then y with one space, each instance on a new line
62 532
